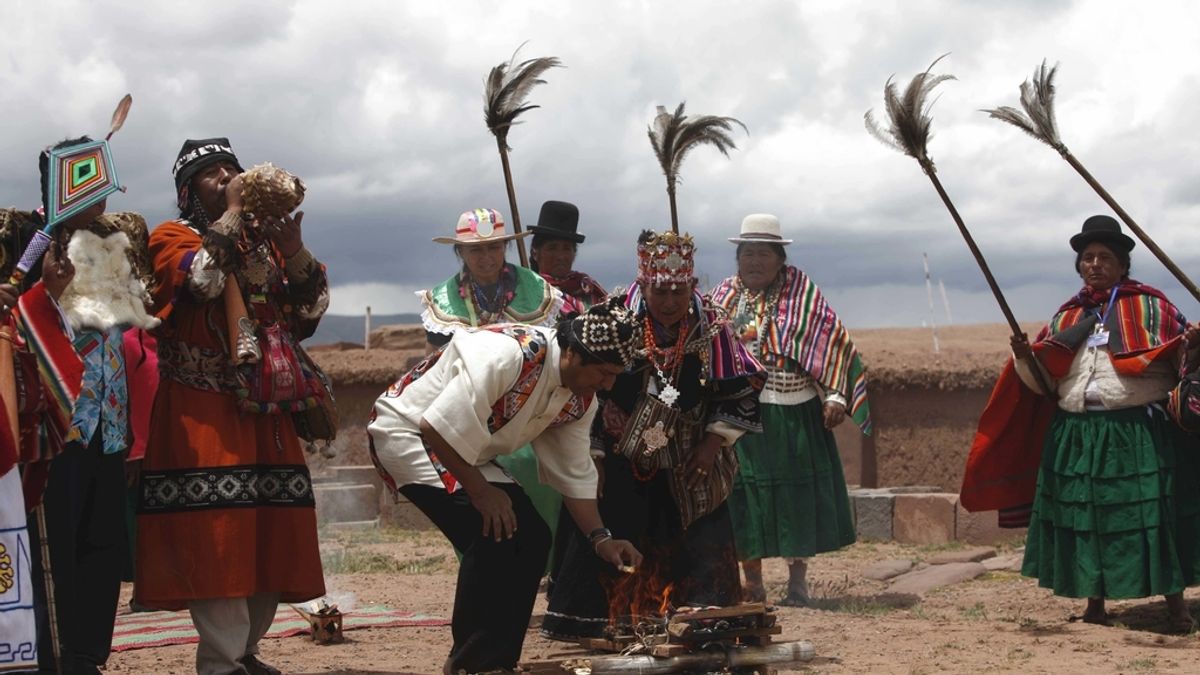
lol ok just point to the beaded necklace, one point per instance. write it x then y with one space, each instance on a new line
480 309
764 305
666 359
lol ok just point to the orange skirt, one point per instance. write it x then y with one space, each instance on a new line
225 505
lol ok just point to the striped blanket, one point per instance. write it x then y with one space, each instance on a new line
807 331
159 629
1141 322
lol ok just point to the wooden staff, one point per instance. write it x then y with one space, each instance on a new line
1038 120
504 94
908 133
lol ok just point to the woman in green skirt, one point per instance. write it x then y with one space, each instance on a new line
1115 511
789 498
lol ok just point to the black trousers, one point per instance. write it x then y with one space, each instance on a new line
85 523
497 581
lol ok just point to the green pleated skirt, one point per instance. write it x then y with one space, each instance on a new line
1117 508
789 496
523 466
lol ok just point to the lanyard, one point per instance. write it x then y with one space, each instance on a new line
1107 310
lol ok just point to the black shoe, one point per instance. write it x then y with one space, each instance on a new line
256 667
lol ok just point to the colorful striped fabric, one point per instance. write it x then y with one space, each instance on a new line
159 629
1141 318
806 330
40 326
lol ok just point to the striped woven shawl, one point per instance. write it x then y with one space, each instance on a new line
806 330
1141 326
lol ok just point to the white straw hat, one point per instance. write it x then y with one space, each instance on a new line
760 228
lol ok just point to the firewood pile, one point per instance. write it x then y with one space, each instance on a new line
735 639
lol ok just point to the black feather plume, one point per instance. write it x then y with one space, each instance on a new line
908 115
507 87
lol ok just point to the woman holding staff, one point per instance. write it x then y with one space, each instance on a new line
1116 508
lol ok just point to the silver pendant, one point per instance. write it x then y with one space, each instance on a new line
654 438
669 394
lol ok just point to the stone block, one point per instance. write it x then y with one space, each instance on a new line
921 581
972 554
981 528
886 569
924 518
872 515
340 503
1005 563
358 474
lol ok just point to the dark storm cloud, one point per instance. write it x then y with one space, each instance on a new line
378 106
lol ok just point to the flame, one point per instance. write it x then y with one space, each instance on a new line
665 605
645 594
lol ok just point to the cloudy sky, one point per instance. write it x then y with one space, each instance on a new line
378 106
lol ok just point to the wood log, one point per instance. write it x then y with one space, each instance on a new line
734 657
747 609
669 649
679 630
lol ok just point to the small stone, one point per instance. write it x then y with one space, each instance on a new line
886 569
973 554
920 582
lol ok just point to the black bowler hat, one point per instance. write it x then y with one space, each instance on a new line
197 154
558 220
1104 229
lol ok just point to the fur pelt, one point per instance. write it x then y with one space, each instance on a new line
104 291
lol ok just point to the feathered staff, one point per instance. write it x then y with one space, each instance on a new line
674 136
909 134
504 94
1037 120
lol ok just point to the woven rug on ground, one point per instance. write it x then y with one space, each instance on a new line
158 629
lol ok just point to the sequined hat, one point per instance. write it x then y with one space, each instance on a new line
197 154
608 331
479 226
665 259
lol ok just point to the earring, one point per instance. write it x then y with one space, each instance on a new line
691 310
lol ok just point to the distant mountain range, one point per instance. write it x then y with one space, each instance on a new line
343 328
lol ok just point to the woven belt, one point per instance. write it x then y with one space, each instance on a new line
787 387
196 367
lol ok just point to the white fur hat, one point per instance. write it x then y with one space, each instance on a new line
760 228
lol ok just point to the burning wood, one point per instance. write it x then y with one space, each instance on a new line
692 639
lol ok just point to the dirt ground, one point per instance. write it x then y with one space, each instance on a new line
999 622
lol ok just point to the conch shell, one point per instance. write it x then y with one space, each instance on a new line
268 190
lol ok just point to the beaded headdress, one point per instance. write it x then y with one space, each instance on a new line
609 332
666 259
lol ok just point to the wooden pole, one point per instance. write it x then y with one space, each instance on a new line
367 330
945 303
512 201
929 291
674 212
1129 222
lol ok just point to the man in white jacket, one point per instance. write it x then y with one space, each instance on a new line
435 432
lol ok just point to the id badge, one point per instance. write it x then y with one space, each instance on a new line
1098 339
